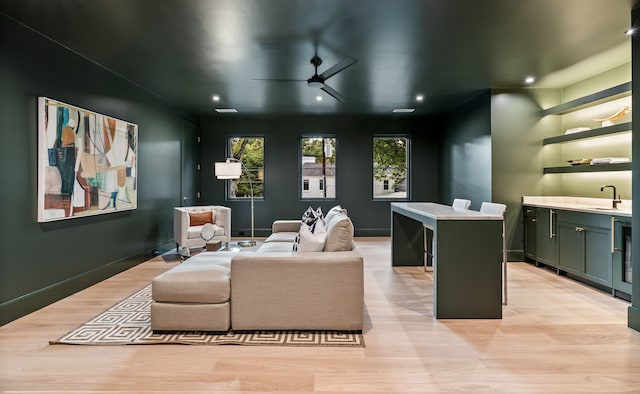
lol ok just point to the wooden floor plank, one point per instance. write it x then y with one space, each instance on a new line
556 336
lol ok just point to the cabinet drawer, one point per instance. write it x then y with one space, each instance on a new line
585 219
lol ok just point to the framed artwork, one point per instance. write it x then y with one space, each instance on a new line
86 162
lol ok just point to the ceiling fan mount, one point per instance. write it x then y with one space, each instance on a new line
318 80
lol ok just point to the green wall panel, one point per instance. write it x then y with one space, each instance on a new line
43 262
466 152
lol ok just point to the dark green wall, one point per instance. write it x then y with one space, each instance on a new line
516 159
42 263
466 151
354 178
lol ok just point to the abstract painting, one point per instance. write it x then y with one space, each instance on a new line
86 162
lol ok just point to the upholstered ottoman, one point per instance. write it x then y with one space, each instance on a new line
193 296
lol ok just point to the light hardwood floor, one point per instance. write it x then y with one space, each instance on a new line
556 336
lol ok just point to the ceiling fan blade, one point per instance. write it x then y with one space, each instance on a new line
336 68
333 93
278 80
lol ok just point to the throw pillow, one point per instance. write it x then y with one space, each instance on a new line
311 242
339 234
309 216
201 218
333 212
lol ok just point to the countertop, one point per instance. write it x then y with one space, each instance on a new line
441 212
600 206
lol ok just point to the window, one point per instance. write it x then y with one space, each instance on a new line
390 167
318 167
250 151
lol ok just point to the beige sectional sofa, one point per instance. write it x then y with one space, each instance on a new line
272 288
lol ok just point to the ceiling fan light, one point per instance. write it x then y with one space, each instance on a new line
315 84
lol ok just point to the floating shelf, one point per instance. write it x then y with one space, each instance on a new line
591 99
616 128
588 168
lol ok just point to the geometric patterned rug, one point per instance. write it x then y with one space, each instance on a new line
128 323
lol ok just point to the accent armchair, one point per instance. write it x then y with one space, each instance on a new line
188 222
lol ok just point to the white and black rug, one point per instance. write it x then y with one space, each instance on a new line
128 323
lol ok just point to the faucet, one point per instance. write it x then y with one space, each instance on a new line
615 201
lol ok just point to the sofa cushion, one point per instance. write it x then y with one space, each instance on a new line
283 236
339 234
204 280
201 218
194 231
276 247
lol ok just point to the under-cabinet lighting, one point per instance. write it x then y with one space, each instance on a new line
403 110
226 110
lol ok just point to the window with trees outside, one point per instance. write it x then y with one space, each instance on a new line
390 167
250 151
318 167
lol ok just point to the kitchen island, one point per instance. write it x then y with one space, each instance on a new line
467 256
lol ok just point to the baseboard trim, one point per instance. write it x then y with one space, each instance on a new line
30 302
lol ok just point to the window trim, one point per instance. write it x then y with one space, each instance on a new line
229 153
408 167
317 135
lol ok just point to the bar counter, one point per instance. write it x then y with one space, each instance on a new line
467 256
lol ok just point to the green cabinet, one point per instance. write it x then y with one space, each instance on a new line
570 253
530 222
597 255
546 248
621 259
584 246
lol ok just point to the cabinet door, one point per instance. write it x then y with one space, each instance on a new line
597 255
621 259
530 232
570 253
546 251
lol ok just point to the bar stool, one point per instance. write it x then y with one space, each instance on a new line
461 205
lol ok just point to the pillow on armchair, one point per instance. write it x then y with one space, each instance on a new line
201 218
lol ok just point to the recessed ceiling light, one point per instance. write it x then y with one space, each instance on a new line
530 79
419 98
630 31
403 110
226 110
318 98
216 97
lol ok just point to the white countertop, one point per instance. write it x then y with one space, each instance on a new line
601 206
442 212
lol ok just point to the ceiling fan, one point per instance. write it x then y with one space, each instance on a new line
318 80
